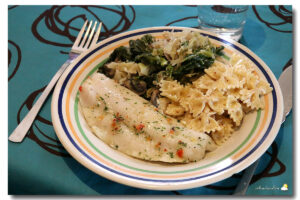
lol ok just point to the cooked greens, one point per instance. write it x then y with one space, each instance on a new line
183 61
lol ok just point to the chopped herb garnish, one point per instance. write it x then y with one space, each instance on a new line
182 143
171 154
118 117
105 107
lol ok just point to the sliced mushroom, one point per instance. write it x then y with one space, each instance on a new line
109 72
139 86
154 97
127 84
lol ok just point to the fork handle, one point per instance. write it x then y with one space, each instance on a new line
19 133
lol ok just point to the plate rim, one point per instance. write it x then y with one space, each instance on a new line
141 184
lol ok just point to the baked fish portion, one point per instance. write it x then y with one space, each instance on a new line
132 125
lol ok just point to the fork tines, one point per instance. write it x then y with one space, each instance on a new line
86 41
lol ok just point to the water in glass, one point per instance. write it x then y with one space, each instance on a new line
227 21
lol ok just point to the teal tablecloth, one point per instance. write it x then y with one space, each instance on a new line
39 39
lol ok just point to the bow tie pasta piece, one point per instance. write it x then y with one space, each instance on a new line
241 72
252 99
186 95
205 83
217 101
216 71
171 89
204 123
195 102
234 109
229 81
225 132
263 87
234 92
237 59
251 81
129 67
174 110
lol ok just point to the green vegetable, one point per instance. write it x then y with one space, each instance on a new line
155 63
219 50
169 70
141 46
120 54
195 63
148 79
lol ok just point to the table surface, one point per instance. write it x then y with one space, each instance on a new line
39 38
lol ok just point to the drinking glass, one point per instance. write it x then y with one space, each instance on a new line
224 20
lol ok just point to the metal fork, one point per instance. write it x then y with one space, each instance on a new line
80 45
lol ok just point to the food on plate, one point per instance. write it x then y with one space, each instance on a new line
170 98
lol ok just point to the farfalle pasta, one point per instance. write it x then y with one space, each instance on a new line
171 89
217 101
223 134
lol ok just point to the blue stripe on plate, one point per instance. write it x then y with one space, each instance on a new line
165 180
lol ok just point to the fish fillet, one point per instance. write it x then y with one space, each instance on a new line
132 125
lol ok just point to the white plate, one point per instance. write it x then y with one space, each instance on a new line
255 135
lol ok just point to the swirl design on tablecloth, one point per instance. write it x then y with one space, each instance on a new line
14 53
36 132
290 62
284 15
180 20
59 25
12 7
